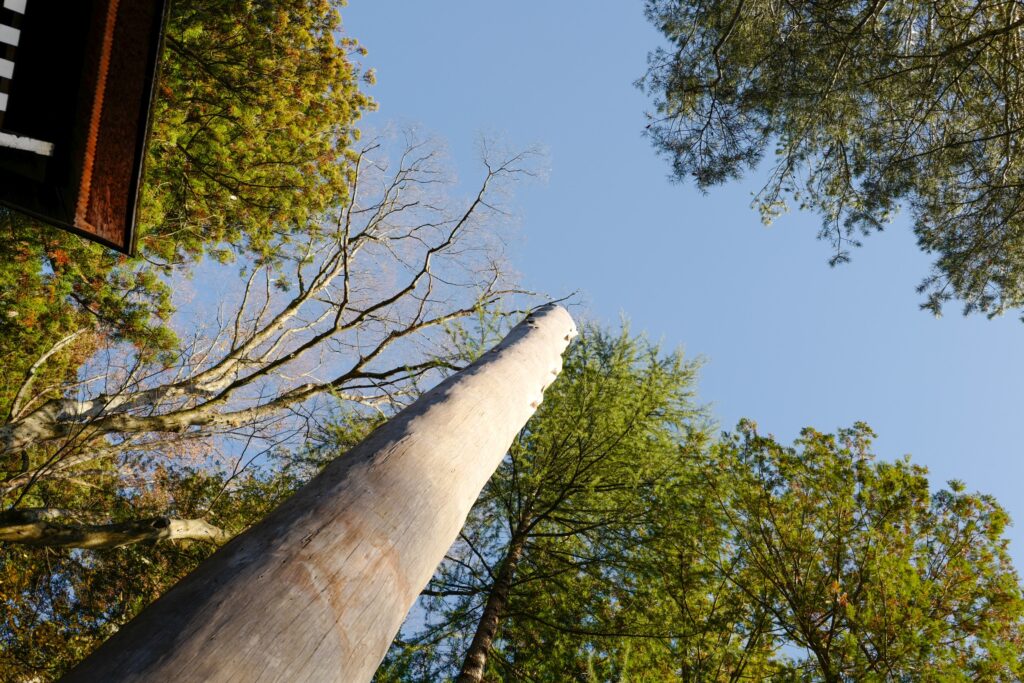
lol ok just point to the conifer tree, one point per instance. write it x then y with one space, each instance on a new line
859 109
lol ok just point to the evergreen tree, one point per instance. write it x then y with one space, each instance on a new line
687 560
548 580
856 563
863 108
250 146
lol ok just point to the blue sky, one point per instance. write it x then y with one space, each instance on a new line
789 342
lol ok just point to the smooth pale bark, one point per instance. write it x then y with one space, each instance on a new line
48 527
318 590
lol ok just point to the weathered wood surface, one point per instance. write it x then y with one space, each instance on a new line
317 590
51 528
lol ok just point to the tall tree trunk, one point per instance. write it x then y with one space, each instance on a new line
494 610
318 589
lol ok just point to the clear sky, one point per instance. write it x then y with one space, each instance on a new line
789 342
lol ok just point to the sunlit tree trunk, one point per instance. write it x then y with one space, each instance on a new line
317 591
44 527
494 608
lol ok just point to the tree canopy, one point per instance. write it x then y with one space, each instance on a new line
863 108
251 144
698 560
351 259
858 564
619 540
541 573
253 127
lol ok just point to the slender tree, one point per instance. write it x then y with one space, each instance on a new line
543 581
752 561
862 108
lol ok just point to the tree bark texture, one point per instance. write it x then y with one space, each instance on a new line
45 527
476 657
318 589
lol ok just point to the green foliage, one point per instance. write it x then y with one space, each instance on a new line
252 126
586 474
59 604
575 495
255 110
858 564
52 285
650 553
869 106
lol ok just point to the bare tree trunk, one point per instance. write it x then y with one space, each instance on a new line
494 609
317 590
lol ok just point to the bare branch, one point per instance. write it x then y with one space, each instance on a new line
40 527
30 376
353 313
